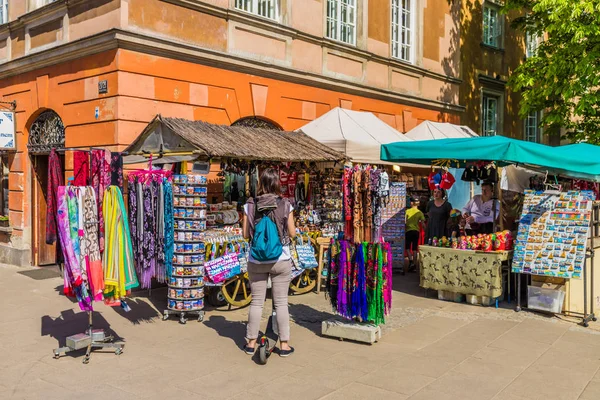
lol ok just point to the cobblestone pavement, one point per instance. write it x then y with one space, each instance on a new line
430 350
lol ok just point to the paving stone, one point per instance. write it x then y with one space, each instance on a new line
328 373
486 367
398 381
358 391
536 389
539 331
591 392
294 388
422 365
471 386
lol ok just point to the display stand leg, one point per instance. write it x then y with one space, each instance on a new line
183 314
518 275
90 340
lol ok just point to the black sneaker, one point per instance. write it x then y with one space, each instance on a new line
249 350
285 353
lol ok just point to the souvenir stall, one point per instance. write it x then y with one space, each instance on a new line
551 241
209 257
88 218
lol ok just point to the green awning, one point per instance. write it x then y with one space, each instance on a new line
576 161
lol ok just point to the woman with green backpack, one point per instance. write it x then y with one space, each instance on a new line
269 227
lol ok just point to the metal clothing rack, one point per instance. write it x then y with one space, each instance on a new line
589 264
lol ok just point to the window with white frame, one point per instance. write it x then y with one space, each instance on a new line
403 29
341 20
532 127
264 8
3 11
532 41
492 25
490 111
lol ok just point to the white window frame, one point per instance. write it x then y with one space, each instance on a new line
4 11
337 28
492 25
491 127
263 8
403 29
532 41
532 131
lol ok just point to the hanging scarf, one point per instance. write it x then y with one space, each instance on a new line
116 169
55 179
74 284
388 278
92 248
132 201
347 198
100 181
376 303
377 204
169 229
81 168
146 267
367 206
357 210
119 271
343 276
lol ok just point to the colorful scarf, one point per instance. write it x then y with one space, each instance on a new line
347 198
74 282
169 229
367 206
116 169
343 276
100 160
81 168
119 270
55 179
88 232
357 210
132 201
388 278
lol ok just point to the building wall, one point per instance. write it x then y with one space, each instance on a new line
487 68
204 60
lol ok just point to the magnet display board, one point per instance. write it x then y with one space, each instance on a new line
553 233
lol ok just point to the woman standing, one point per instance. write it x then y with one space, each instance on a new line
269 204
438 212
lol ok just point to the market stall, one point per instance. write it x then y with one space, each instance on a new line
547 244
209 257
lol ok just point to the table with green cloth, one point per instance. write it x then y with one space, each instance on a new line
462 271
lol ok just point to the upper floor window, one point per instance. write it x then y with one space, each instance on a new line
492 25
490 115
532 41
532 128
403 29
341 20
33 4
264 8
3 11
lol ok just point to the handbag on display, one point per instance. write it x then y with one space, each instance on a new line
489 173
306 254
447 180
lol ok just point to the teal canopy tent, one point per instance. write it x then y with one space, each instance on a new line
575 161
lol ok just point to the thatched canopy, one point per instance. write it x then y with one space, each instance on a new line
198 139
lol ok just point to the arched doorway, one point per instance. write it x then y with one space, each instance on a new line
45 133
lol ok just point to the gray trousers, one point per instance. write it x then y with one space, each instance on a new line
280 273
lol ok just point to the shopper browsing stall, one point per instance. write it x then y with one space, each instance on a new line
438 212
414 219
479 213
269 205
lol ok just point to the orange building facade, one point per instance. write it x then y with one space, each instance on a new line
98 71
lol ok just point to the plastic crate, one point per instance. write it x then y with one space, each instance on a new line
543 299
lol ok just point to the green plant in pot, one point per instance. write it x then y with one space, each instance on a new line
3 220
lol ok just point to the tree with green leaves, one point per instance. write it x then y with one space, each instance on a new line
562 77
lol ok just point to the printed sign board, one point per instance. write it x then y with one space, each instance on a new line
7 131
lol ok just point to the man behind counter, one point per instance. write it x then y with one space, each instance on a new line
478 214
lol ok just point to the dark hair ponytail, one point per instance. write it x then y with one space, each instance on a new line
269 182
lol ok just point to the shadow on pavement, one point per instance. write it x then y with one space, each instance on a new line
309 318
234 330
140 312
70 323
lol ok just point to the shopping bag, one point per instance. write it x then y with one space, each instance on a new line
306 254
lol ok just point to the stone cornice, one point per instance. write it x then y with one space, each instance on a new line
140 42
276 27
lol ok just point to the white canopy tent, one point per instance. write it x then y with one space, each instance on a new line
428 130
357 134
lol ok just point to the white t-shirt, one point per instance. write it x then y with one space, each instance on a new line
482 212
286 254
